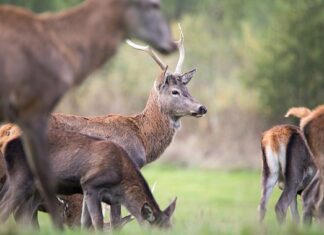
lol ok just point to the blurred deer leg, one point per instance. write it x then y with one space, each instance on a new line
284 201
268 183
27 213
94 208
85 217
35 145
115 215
294 210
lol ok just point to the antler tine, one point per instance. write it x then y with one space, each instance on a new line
149 51
181 49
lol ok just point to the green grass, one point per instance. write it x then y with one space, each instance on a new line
209 202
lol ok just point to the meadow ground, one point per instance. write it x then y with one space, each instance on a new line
209 202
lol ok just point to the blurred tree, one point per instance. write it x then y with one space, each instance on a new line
289 69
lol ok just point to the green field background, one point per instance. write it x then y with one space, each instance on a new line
209 202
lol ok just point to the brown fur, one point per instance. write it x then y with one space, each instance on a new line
71 211
42 56
8 132
277 135
313 128
100 169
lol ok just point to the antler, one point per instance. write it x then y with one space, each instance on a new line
181 49
148 50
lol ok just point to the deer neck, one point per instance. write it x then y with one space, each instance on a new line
90 33
157 128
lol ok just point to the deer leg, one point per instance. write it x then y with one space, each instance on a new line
117 221
307 211
294 210
6 206
27 213
287 196
319 205
85 216
309 198
93 204
35 145
269 180
115 215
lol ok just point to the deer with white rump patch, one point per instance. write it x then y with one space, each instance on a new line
287 161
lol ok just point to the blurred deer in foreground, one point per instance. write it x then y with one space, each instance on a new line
287 161
146 135
312 125
99 169
42 56
71 206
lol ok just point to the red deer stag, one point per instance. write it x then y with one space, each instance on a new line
99 169
287 161
42 56
312 125
146 135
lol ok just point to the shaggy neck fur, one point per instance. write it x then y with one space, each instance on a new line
157 128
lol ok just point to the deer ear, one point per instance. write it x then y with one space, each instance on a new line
164 79
170 209
186 77
147 213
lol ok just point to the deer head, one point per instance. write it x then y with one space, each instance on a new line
171 88
145 21
162 219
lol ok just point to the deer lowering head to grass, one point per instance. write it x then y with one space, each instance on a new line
312 125
42 56
287 161
99 169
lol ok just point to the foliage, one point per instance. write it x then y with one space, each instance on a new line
289 70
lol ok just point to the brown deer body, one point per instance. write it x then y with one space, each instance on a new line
100 169
312 125
71 209
42 56
287 161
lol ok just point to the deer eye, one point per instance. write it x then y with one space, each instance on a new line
175 92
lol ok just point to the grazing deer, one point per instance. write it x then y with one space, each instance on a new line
312 125
99 169
42 56
286 161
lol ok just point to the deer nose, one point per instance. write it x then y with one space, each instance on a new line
202 110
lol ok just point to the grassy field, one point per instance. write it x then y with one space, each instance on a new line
209 202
